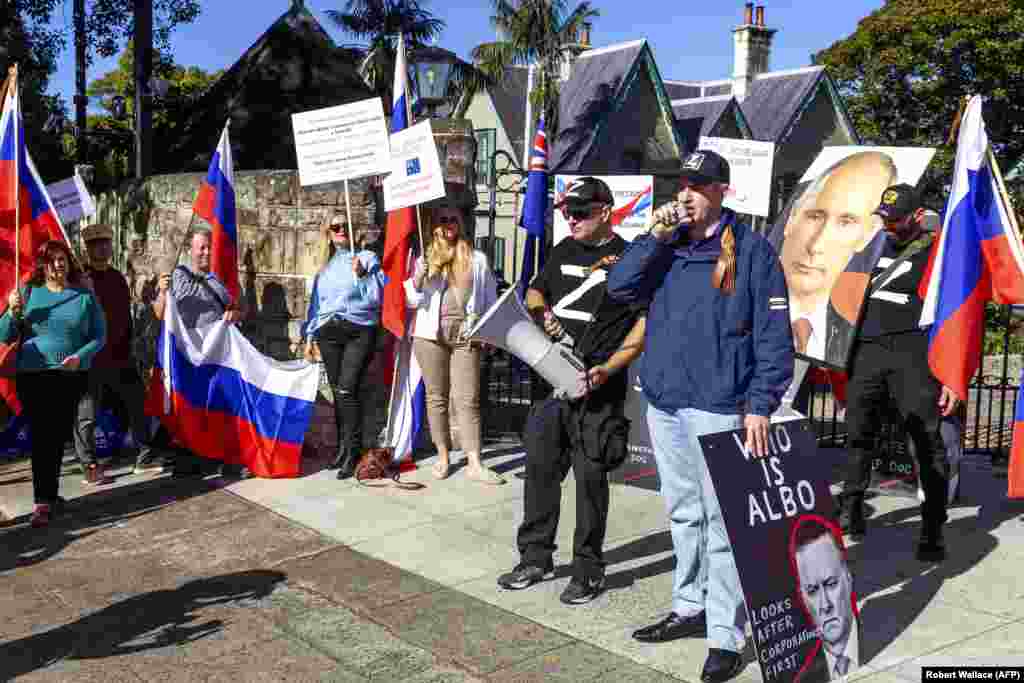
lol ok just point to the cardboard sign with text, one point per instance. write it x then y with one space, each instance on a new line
750 173
341 143
789 553
415 168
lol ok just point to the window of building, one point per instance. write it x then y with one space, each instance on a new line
485 138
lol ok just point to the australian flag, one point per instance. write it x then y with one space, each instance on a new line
535 208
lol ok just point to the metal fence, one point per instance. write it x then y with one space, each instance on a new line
509 387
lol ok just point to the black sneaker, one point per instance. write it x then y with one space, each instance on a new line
524 576
581 590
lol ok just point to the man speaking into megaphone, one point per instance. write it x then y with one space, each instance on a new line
588 434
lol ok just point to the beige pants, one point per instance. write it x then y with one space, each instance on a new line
451 369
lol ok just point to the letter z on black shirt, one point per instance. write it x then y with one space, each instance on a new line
895 307
576 295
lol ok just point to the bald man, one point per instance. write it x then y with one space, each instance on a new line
827 226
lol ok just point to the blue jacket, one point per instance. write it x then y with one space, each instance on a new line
704 349
337 293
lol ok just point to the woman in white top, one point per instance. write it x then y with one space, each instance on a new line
449 293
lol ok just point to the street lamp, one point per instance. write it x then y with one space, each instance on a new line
432 71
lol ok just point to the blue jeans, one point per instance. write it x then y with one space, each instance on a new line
705 576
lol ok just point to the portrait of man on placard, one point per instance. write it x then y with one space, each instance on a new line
826 242
824 590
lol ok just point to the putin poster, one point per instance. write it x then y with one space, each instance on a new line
789 553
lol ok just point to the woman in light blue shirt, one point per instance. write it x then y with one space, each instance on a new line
343 316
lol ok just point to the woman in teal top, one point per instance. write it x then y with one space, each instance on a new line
62 328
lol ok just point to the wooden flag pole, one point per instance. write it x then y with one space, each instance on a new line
12 80
1004 196
348 212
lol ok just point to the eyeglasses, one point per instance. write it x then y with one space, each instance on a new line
579 213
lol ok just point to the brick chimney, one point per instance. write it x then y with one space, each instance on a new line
577 44
752 47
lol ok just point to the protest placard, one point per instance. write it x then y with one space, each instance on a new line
632 209
415 168
750 173
789 553
341 143
71 199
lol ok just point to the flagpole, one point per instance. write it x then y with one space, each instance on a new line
408 117
17 172
1004 195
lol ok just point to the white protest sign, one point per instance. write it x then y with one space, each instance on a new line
415 169
750 173
341 143
71 200
630 213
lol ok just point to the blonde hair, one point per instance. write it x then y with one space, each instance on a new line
326 248
443 259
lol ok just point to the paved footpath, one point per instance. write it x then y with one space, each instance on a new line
318 580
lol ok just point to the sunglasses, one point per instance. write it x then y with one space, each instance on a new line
447 220
578 213
337 227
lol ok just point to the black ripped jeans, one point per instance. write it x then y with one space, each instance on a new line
347 350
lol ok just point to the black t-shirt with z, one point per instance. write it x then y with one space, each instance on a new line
576 296
895 307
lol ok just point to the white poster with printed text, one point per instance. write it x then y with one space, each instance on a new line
415 168
71 199
341 143
633 195
750 173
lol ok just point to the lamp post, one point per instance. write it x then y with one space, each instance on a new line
432 72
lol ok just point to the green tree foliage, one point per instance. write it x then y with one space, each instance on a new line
905 69
110 139
27 40
535 32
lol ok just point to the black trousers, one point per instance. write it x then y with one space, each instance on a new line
112 387
897 365
556 439
347 350
50 401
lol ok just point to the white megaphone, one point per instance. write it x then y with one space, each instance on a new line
508 325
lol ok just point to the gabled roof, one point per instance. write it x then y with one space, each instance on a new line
699 116
774 100
509 98
598 85
293 67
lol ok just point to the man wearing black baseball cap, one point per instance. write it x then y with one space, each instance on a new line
588 434
890 357
705 276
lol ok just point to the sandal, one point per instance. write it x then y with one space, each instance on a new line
484 475
440 470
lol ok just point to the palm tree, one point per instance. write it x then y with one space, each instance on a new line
535 33
379 23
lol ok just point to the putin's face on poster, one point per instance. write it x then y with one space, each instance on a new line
830 221
826 588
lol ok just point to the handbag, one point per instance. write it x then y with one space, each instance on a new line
375 468
9 350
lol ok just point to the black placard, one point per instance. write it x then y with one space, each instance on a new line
780 518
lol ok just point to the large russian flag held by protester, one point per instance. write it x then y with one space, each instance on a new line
215 203
408 395
27 216
535 206
221 398
978 258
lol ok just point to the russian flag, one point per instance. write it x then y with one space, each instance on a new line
222 399
978 258
215 203
535 206
408 395
1015 487
20 182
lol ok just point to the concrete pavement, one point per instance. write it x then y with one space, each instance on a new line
315 579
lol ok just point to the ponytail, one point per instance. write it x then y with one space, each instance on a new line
724 276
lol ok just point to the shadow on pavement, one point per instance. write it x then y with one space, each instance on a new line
157 619
886 559
655 544
21 545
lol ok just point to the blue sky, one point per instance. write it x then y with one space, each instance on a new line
691 40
